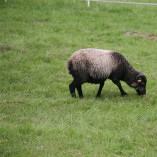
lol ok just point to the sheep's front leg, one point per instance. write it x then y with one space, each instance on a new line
123 93
100 89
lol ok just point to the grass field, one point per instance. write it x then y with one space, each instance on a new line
38 117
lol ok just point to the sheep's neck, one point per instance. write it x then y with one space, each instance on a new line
130 75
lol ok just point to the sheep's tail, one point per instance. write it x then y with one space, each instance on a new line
70 66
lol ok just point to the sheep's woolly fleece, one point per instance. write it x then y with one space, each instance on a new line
92 62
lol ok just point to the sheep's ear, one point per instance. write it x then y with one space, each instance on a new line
134 84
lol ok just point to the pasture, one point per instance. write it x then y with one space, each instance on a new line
38 117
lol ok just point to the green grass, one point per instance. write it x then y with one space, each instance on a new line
38 117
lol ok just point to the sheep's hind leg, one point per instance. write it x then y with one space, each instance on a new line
75 84
79 89
100 89
72 87
123 93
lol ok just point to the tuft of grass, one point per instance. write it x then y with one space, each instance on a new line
38 117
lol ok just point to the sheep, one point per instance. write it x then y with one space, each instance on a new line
96 66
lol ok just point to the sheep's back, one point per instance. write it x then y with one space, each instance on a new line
95 63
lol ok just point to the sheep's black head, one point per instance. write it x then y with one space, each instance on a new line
140 84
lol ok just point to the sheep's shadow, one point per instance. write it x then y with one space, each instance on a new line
111 95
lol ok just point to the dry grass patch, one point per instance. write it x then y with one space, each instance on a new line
4 48
142 34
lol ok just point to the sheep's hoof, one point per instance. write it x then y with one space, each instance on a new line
98 96
73 95
123 94
81 97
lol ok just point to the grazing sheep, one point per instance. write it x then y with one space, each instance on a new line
95 66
